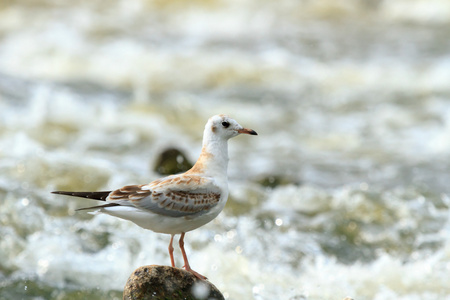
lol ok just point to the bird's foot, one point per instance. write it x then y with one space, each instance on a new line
198 275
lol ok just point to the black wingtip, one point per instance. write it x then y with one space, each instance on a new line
102 195
63 193
98 206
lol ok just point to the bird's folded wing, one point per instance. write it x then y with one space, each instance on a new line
175 196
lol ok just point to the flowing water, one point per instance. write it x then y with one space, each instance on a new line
344 192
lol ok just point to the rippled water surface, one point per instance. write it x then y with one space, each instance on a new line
344 192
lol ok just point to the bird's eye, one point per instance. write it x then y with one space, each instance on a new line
225 124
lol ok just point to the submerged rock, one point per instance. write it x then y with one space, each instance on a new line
164 282
172 161
272 181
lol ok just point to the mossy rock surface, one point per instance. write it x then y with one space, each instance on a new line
273 181
164 282
172 161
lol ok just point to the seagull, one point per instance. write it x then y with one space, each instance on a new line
177 204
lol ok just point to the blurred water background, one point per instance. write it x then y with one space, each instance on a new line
344 192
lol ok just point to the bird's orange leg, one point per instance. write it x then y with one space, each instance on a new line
186 263
171 251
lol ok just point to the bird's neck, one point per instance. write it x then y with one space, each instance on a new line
213 160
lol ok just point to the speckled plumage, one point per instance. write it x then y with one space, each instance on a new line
180 203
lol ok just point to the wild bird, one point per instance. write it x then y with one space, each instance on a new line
179 203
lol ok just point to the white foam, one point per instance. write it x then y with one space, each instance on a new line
358 117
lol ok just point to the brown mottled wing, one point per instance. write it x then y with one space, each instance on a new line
128 194
175 196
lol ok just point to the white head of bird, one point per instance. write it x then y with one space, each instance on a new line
218 130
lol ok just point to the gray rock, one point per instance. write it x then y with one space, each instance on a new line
164 282
172 161
272 181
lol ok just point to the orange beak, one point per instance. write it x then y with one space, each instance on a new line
247 131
